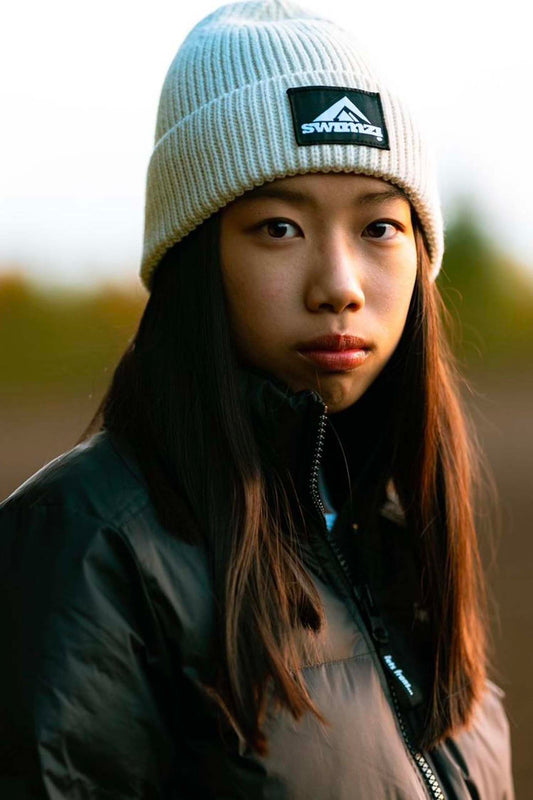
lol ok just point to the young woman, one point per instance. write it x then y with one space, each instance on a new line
257 575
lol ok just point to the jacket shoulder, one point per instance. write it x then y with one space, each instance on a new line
93 499
97 477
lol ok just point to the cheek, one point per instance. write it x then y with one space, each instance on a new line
392 300
258 307
255 293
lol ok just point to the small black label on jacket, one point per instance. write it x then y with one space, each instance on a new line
337 115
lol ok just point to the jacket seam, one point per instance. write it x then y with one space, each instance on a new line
112 522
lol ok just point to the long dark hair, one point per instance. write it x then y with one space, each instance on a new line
174 398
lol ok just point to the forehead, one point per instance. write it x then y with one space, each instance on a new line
318 188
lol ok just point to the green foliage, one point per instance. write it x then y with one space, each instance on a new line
62 342
490 298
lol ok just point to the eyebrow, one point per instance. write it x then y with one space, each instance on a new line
300 198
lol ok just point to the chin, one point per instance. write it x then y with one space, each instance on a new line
337 391
338 397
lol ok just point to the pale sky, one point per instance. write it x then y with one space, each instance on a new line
80 84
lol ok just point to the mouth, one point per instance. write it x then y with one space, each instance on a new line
336 352
334 342
336 360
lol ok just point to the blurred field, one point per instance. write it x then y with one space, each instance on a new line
58 351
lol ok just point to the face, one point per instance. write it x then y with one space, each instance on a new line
319 255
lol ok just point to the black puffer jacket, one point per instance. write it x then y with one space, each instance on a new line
107 624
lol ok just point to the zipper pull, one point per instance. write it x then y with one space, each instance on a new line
408 693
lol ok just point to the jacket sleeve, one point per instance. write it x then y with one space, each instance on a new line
81 713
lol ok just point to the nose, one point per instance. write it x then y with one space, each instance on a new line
335 279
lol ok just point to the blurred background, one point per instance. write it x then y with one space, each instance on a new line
79 93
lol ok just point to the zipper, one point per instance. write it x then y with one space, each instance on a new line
427 773
317 500
374 622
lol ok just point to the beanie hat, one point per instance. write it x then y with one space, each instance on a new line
265 90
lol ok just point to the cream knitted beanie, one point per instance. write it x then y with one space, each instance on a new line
264 90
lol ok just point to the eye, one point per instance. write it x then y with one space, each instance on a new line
380 226
277 228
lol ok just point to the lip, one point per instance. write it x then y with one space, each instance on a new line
334 342
336 360
336 352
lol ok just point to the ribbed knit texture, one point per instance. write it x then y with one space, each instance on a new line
224 122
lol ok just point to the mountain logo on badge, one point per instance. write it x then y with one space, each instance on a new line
337 115
343 117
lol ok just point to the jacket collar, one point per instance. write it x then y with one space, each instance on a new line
288 427
287 424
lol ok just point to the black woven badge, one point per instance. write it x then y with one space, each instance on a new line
338 115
